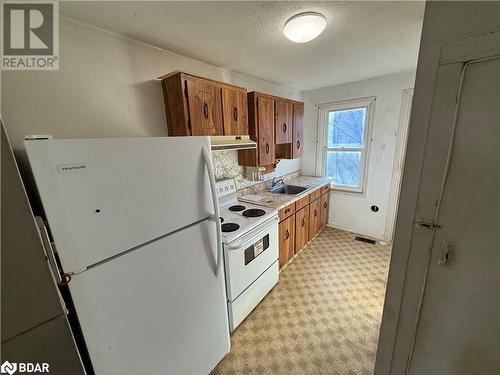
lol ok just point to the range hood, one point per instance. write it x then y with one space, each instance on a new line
231 142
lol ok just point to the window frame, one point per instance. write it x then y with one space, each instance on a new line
323 110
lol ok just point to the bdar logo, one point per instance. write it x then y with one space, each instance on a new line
8 368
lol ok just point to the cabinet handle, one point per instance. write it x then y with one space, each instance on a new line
235 113
324 204
267 148
303 222
298 144
315 213
287 234
287 210
205 110
284 127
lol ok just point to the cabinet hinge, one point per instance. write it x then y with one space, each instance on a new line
427 224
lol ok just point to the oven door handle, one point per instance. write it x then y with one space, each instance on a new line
215 217
262 228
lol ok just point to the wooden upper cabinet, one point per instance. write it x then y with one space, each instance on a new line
261 130
294 145
283 121
234 111
265 110
298 130
200 106
204 103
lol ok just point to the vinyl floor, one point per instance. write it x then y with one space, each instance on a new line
323 317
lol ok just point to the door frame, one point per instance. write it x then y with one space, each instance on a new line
398 166
411 251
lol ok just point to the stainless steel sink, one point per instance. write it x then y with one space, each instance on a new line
287 189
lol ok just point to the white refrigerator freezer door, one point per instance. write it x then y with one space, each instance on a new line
157 310
104 196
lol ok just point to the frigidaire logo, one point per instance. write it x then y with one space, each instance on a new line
24 367
30 35
75 167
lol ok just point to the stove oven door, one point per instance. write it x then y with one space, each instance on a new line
248 257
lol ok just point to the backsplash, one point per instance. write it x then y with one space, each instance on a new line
226 166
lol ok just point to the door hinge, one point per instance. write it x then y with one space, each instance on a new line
427 224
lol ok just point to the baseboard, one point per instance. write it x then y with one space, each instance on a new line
364 234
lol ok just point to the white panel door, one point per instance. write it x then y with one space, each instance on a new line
157 310
458 330
104 196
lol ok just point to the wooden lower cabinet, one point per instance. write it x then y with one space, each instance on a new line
301 228
301 221
325 203
286 240
314 218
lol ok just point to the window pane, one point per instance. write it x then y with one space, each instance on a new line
346 128
343 167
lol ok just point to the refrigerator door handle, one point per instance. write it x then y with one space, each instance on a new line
215 218
49 251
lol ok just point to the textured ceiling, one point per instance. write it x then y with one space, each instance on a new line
362 39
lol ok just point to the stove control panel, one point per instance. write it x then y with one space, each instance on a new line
226 187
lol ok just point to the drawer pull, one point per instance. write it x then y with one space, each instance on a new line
235 114
303 222
324 204
315 213
267 148
284 127
287 235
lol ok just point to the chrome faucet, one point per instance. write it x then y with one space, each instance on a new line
276 181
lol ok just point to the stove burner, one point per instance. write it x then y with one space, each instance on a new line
237 207
229 227
221 219
253 212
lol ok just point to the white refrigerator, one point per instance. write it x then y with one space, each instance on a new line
135 226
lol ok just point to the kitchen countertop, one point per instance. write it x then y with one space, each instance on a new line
275 200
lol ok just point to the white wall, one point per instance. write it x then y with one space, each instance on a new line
106 87
352 211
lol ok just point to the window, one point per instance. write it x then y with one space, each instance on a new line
345 136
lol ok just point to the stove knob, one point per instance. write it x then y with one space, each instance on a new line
227 188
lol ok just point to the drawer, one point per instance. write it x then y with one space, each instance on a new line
325 189
314 195
287 211
302 202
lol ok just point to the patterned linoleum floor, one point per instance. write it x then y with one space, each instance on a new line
323 317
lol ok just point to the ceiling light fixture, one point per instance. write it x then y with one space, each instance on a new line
304 27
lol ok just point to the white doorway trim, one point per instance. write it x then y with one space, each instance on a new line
399 158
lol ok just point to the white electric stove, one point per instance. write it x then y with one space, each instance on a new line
250 242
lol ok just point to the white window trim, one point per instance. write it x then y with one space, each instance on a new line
323 109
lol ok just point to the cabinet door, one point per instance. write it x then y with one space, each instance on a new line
205 108
314 217
325 201
301 228
287 240
298 128
265 118
283 121
234 111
